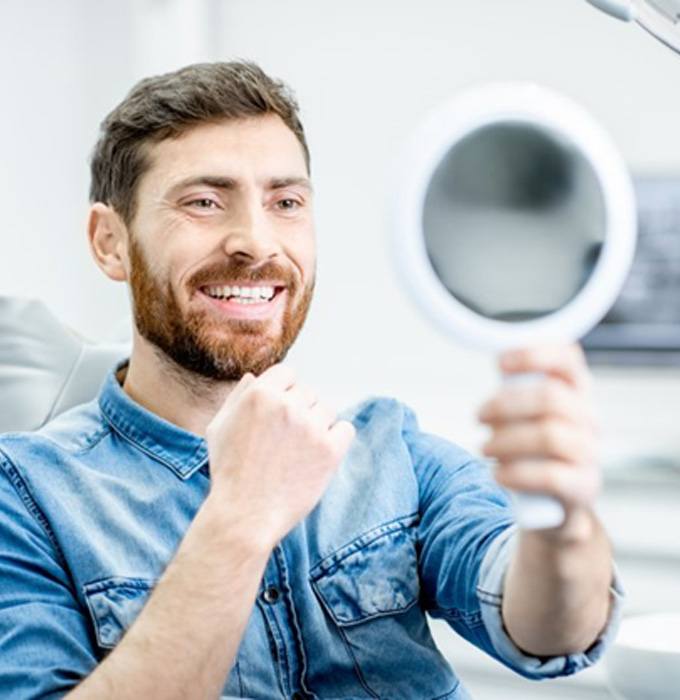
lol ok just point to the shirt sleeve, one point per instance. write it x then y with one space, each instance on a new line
44 637
466 536
490 592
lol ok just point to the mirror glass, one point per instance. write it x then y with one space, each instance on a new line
514 221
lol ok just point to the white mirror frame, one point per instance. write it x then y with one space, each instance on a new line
566 121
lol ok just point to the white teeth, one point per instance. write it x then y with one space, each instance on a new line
242 294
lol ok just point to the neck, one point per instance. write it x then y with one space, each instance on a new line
178 396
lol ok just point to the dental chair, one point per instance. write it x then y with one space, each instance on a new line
45 368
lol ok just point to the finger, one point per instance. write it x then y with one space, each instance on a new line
239 389
323 415
547 398
277 378
342 434
565 362
245 381
569 484
550 438
301 396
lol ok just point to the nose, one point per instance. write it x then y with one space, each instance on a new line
251 235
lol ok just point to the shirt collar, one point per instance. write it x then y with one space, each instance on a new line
181 451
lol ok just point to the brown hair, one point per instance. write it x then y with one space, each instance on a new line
167 105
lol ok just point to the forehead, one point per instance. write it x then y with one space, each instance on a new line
262 147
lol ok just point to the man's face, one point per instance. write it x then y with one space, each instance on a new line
222 251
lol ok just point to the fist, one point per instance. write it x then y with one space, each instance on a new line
273 448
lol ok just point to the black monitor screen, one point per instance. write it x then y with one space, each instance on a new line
643 326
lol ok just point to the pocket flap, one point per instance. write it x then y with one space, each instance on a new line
114 604
371 577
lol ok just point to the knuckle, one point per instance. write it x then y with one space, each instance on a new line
496 405
258 395
311 432
525 356
326 414
288 413
551 434
554 479
329 414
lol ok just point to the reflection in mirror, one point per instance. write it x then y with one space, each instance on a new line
514 221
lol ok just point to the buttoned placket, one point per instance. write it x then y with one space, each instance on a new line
276 602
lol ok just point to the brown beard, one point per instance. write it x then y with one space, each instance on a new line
193 341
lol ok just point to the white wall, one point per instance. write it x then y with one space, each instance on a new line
63 66
365 72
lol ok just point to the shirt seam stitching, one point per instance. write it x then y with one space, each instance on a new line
357 668
128 433
94 439
401 522
149 453
27 499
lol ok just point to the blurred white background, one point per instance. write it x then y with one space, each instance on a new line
366 72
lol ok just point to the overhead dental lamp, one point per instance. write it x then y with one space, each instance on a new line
661 18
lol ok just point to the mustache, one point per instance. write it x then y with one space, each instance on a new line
243 272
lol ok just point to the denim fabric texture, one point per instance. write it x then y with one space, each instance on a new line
94 505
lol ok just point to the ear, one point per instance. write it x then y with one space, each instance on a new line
108 237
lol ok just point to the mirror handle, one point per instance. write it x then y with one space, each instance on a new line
534 511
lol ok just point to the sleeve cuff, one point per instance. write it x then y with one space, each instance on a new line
490 594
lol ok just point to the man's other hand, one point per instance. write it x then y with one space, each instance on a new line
543 432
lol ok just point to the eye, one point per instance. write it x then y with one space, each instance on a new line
288 204
203 203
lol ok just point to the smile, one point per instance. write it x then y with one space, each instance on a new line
241 295
246 302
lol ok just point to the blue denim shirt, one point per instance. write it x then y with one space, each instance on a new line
94 505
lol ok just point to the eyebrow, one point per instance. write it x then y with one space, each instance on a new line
278 183
229 183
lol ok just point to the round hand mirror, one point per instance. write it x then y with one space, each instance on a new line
515 225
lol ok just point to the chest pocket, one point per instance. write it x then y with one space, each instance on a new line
375 575
114 604
370 591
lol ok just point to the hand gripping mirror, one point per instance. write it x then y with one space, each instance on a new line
514 226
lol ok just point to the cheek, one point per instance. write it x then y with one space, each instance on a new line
179 255
303 253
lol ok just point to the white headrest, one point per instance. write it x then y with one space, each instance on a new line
45 368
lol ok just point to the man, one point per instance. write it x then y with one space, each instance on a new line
208 525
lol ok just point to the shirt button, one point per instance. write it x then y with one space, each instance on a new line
270 596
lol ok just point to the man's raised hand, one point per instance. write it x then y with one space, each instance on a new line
273 449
